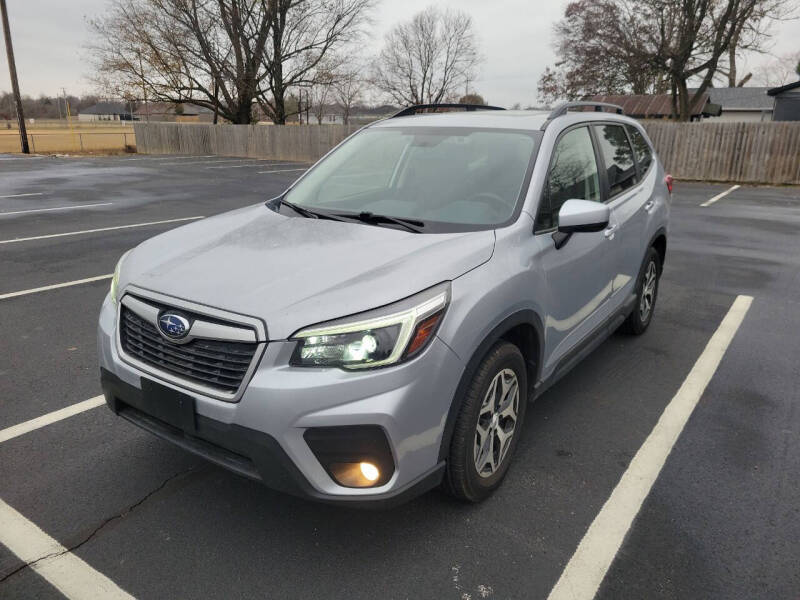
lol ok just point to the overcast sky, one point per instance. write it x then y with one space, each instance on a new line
514 35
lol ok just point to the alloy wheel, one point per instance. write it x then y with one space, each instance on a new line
497 422
648 291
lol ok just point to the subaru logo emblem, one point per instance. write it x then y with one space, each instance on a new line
173 325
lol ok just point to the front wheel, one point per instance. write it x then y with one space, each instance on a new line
646 294
489 425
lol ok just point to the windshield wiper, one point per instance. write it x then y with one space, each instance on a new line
308 213
413 225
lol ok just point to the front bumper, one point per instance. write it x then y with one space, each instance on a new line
261 435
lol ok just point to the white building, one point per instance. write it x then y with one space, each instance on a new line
743 104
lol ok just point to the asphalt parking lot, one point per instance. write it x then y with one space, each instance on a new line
721 521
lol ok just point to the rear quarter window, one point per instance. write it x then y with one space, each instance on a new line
617 156
641 149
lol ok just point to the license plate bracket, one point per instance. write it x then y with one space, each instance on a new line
171 406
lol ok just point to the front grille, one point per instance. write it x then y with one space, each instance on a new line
215 364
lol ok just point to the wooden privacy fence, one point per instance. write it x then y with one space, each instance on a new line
737 152
291 142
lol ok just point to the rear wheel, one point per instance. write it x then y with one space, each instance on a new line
646 295
489 425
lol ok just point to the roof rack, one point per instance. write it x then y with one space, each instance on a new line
562 109
413 110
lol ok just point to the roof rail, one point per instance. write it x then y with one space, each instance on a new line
413 110
562 109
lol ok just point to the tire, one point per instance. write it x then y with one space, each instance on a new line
502 368
646 295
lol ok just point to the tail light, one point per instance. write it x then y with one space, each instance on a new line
668 179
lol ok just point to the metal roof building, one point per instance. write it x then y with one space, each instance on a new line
657 106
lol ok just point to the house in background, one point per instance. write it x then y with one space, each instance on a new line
367 114
184 112
331 115
658 106
742 104
787 102
106 111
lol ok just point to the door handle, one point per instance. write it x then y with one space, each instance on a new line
610 231
648 206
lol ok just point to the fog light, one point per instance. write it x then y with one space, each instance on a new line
370 471
363 474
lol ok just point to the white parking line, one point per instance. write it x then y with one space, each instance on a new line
231 160
587 568
168 157
33 210
22 195
719 196
51 417
281 171
256 165
63 570
55 235
55 286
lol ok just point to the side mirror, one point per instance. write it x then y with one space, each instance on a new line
580 216
577 216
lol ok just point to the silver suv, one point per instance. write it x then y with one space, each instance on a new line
380 328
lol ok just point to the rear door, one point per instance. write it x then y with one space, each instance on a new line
627 199
579 275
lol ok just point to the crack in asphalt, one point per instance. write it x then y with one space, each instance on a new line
100 527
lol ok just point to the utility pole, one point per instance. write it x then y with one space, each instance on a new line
66 105
144 90
12 69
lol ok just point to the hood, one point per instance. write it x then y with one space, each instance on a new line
293 272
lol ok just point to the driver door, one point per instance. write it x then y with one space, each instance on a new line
579 275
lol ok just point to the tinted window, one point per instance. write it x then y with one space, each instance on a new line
573 175
445 176
641 149
617 157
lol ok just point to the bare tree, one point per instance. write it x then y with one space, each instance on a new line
639 46
751 34
321 94
349 90
600 51
225 55
780 70
208 52
691 38
427 59
305 33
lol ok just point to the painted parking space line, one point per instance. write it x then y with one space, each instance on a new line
22 195
588 566
221 160
70 575
253 165
87 231
38 210
52 417
167 158
711 201
281 171
54 286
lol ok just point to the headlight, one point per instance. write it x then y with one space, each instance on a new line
115 279
377 338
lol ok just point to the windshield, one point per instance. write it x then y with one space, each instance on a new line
447 179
